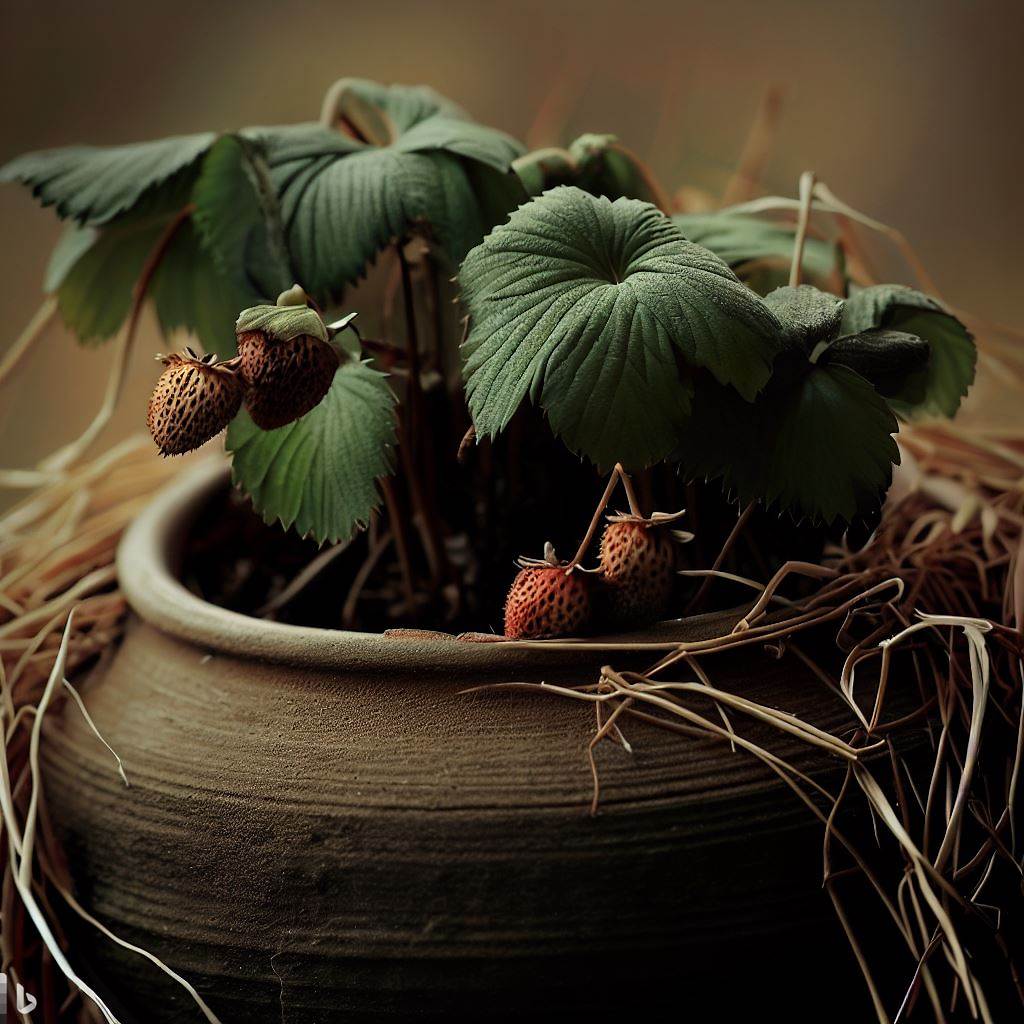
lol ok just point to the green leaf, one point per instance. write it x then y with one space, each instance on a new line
894 362
94 271
237 215
282 323
344 199
807 314
94 290
94 184
542 169
319 474
760 251
587 306
191 293
818 441
94 294
598 164
951 367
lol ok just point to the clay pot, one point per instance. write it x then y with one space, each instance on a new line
322 826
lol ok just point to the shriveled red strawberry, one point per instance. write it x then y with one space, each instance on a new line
545 601
194 400
637 568
286 359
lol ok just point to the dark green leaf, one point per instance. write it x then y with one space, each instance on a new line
237 213
94 292
598 164
320 473
94 184
190 293
587 306
951 367
894 362
818 441
760 251
807 314
546 168
344 199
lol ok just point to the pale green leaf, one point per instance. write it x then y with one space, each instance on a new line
319 474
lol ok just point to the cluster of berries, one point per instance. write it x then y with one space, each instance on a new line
631 587
284 367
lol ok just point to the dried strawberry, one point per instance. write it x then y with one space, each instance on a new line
287 361
194 400
637 568
546 601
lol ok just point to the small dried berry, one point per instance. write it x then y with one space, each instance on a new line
286 378
193 401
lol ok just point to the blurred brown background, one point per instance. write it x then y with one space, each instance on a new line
909 111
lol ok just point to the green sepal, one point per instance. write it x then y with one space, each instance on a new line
281 323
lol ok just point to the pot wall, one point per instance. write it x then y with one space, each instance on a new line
312 843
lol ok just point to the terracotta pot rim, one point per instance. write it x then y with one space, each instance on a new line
151 547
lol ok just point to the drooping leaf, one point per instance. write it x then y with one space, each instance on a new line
190 293
94 272
237 214
950 370
598 164
760 251
894 362
319 474
817 441
807 314
588 306
94 184
345 198
543 169
73 243
94 291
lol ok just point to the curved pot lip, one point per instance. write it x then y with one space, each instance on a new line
151 546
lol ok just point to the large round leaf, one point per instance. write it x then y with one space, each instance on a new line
319 474
402 159
942 384
590 306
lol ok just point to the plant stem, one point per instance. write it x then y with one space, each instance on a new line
617 474
28 337
427 513
741 522
400 529
803 219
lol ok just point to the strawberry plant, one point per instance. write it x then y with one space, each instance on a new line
674 347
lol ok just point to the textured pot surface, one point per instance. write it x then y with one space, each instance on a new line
323 826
